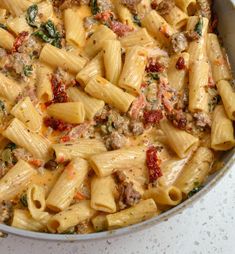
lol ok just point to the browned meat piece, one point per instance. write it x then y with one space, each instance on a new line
131 4
115 141
128 196
6 211
137 128
165 7
192 35
204 7
179 42
202 119
51 165
64 4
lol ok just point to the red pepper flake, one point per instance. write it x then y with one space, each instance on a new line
180 64
57 124
19 41
59 93
153 116
153 164
154 67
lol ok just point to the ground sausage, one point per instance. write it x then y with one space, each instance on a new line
6 211
179 42
115 141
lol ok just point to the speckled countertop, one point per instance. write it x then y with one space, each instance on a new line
206 227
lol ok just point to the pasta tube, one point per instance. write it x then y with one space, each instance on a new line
197 48
25 111
43 83
9 89
70 112
198 81
180 141
93 68
144 210
16 7
70 217
99 223
105 164
220 67
170 195
112 60
195 171
188 6
100 88
83 148
37 203
23 220
66 186
222 133
95 42
133 69
16 180
74 29
176 18
177 77
91 105
102 194
158 27
137 38
18 25
61 58
228 97
32 142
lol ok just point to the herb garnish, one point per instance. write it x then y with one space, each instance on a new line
31 15
3 26
48 33
199 26
94 7
197 188
153 75
23 200
2 107
28 69
136 20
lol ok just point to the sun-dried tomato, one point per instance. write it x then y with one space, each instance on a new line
154 67
153 116
57 124
180 64
59 91
153 164
19 41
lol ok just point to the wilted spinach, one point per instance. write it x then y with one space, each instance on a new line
94 7
31 15
48 33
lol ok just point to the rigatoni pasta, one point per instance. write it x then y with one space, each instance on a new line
110 113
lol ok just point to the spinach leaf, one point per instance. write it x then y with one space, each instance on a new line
31 15
11 146
3 26
153 75
198 27
28 69
48 33
23 200
94 7
197 188
2 107
136 20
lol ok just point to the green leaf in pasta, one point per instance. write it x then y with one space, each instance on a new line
48 33
153 75
195 190
94 7
28 69
3 26
31 15
23 200
199 26
136 20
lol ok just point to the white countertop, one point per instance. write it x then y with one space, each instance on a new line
207 227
